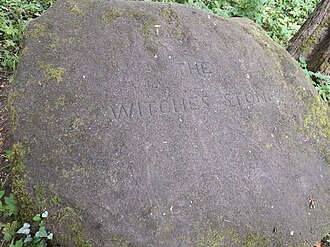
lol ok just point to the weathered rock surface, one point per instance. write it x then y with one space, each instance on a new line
149 124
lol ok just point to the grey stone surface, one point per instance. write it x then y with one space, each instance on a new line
149 124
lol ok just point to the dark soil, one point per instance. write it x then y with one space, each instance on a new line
6 137
6 140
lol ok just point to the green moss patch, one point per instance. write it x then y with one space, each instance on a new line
312 41
19 182
230 237
71 226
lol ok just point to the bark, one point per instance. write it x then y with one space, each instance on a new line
312 41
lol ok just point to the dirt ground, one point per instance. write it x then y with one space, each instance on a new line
5 133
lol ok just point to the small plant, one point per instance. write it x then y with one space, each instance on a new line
40 237
11 231
14 15
326 240
279 18
9 154
320 81
9 207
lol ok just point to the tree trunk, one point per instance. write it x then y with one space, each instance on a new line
312 41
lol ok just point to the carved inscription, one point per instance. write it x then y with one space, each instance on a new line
168 106
195 68
188 104
240 99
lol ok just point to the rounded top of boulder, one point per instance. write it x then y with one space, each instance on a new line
153 124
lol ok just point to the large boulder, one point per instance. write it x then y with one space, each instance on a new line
152 124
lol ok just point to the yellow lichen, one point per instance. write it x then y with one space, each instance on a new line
233 236
211 238
73 7
65 100
37 31
178 31
172 18
300 245
65 173
24 52
52 72
56 41
317 120
148 29
168 14
76 123
13 96
111 15
119 241
150 49
256 240
23 199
